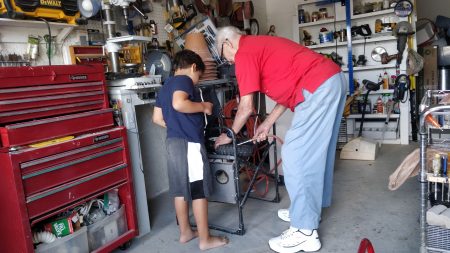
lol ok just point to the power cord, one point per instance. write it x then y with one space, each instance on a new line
49 41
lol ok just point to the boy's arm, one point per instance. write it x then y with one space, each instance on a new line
158 118
181 103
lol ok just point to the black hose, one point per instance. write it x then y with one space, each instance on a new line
49 42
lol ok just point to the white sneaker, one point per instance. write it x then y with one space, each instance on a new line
293 240
284 215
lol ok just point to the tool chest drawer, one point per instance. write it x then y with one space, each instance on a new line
29 93
42 174
53 165
49 128
40 182
54 198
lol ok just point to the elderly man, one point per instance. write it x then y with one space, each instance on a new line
314 88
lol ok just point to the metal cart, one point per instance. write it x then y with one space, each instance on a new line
225 171
433 189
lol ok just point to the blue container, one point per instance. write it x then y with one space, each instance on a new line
325 37
444 165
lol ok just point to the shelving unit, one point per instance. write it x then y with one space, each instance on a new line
354 17
359 46
361 41
433 189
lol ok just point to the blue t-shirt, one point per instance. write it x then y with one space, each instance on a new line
187 126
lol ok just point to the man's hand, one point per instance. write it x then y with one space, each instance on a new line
262 131
207 108
222 140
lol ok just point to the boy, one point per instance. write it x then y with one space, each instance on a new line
179 109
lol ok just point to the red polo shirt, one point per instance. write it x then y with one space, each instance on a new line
280 68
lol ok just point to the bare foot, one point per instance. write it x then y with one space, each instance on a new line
186 237
214 242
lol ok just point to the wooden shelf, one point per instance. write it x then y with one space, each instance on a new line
89 55
354 42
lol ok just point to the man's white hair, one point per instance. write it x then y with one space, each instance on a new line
226 33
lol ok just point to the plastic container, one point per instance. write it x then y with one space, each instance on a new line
74 243
108 229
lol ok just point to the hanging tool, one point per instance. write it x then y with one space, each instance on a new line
179 14
389 108
402 31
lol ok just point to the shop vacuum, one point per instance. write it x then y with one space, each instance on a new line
362 148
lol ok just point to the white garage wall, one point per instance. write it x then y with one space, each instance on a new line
430 9
281 13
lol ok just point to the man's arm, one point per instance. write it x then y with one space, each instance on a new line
181 103
263 129
245 109
158 118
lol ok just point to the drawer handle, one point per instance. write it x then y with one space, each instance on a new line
83 180
65 165
47 98
68 153
50 87
56 119
50 108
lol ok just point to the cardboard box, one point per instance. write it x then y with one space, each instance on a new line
430 68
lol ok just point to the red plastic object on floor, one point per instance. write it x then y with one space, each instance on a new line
365 246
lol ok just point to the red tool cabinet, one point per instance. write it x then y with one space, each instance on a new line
38 183
39 103
43 103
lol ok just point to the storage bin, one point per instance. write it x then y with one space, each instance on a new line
108 229
438 239
74 243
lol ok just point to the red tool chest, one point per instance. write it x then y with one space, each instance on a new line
34 97
38 183
43 103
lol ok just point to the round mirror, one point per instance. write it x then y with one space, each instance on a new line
377 52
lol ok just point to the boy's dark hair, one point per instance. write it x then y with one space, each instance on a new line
185 58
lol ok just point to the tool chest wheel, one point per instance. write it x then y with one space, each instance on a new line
125 246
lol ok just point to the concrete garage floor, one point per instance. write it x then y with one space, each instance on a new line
363 207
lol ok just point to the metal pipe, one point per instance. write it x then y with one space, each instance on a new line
110 24
423 191
115 63
111 29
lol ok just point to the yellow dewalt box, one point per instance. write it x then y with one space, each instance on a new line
55 10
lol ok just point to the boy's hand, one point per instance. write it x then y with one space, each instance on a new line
221 140
207 108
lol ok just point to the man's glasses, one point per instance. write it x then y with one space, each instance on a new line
221 52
